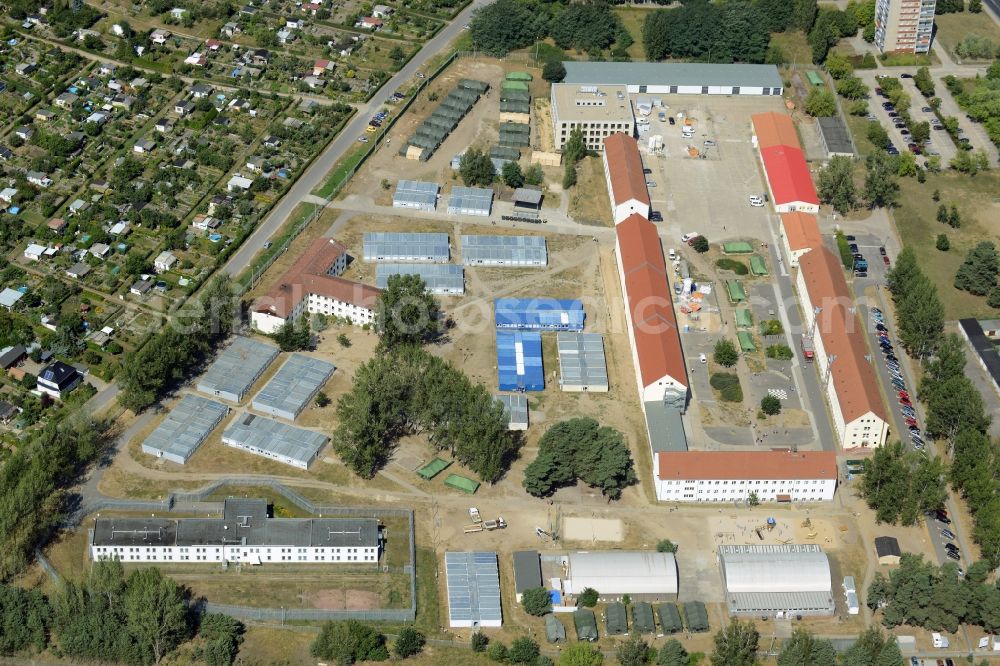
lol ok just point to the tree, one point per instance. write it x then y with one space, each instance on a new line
881 189
497 651
406 313
924 82
666 546
873 648
536 601
993 299
348 642
836 184
534 175
523 651
838 66
293 335
25 617
877 135
725 353
512 175
852 88
920 132
476 167
804 649
479 641
900 486
408 643
906 164
503 26
770 405
588 598
633 652
943 243
322 399
736 645
222 635
700 245
820 103
580 654
584 26
580 449
155 613
978 273
554 71
672 654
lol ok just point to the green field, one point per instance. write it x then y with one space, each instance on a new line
345 167
952 28
795 47
916 222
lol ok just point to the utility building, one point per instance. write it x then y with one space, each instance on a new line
184 429
416 195
406 247
785 169
473 581
690 78
236 369
780 581
510 251
642 574
442 279
581 362
538 314
519 361
293 386
477 201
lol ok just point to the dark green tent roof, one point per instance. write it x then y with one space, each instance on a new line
642 618
515 106
555 630
472 84
616 619
505 153
586 624
695 616
670 618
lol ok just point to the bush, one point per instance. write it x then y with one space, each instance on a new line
409 642
588 597
479 641
725 353
497 652
536 601
728 386
666 546
820 103
771 327
733 265
700 245
943 243
770 405
844 247
523 651
779 352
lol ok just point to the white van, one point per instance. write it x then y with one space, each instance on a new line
672 254
939 641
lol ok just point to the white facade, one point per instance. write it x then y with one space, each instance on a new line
266 322
621 210
233 553
738 490
904 25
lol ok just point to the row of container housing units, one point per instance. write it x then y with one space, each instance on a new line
777 581
432 132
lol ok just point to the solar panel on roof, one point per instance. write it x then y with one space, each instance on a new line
470 201
549 314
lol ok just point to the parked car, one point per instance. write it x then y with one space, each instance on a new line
647 171
892 150
756 202
650 183
953 555
942 516
947 534
853 247
671 120
927 109
655 216
851 237
688 236
893 114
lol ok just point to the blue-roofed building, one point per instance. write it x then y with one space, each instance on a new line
539 314
519 361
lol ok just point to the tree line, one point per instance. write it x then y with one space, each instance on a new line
955 410
507 25
937 598
170 355
135 619
901 485
580 449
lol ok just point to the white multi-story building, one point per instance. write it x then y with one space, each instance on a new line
597 111
313 285
245 534
731 476
904 26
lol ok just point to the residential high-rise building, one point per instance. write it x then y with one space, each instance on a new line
904 26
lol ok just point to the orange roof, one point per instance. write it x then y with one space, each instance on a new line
627 179
842 332
654 325
763 465
801 230
309 275
774 129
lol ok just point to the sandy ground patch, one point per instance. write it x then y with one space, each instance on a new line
592 529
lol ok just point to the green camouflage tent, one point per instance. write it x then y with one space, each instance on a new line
616 619
586 624
555 630
670 618
695 616
518 76
471 84
642 618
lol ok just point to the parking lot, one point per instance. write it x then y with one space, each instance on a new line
974 131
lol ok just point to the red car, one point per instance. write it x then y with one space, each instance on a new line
911 422
886 260
905 402
903 395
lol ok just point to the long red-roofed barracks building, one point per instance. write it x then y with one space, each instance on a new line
788 179
626 181
313 285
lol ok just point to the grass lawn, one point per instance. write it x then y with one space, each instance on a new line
952 28
340 172
633 18
280 242
795 47
858 127
916 221
588 198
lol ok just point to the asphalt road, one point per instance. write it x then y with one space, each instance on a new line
344 143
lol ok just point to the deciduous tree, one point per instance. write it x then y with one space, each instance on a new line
736 645
836 184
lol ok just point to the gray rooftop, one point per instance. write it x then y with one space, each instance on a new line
665 427
515 405
389 246
508 249
187 425
672 74
244 522
473 587
274 437
236 368
439 278
294 385
471 198
581 360
528 195
835 136
415 191
527 570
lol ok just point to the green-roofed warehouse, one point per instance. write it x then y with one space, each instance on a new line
616 619
462 483
555 630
